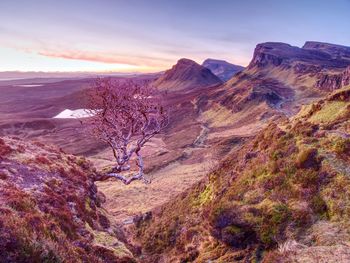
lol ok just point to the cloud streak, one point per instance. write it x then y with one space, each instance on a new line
105 57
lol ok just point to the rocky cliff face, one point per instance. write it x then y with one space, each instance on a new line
293 75
329 82
336 51
186 74
346 77
318 55
268 54
222 69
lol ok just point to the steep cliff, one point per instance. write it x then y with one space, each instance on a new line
287 76
331 82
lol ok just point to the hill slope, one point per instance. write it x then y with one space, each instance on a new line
286 76
50 209
282 197
186 75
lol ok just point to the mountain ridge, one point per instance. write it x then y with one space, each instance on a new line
295 75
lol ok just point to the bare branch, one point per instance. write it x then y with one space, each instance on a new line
124 179
126 116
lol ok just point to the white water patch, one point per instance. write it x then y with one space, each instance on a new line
73 114
29 85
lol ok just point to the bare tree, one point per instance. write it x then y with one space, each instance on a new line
125 115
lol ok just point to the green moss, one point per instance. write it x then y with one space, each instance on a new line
109 241
271 222
329 112
205 196
81 161
276 194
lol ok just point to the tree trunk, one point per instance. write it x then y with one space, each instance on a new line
126 180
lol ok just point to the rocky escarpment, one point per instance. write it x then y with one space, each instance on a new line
286 77
281 54
50 209
186 75
221 68
331 82
336 51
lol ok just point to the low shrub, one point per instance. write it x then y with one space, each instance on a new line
42 160
342 146
4 148
229 226
308 158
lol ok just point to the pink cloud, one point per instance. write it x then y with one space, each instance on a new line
104 57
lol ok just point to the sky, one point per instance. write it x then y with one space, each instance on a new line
151 35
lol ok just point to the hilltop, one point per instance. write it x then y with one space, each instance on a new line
186 74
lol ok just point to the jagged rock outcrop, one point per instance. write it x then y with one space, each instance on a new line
329 82
300 68
221 68
268 54
346 77
186 74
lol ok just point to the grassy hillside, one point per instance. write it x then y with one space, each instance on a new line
284 196
50 209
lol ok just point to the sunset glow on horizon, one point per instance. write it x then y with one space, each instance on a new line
25 61
150 36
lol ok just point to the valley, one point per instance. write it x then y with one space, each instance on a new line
247 163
